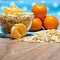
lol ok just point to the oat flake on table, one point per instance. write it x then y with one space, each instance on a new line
52 35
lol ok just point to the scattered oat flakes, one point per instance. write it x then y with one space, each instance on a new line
52 35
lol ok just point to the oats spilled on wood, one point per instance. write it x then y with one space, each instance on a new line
52 35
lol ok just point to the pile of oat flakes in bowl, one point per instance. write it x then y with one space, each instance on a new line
52 35
8 20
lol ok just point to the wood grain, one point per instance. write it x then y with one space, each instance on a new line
16 50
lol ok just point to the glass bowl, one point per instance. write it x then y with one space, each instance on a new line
8 20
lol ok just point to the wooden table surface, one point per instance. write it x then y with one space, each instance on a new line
16 50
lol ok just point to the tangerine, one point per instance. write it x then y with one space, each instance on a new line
18 30
51 22
39 10
36 24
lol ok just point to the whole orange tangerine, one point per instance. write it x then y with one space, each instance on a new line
39 10
51 22
36 24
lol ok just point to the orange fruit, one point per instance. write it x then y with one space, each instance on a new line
39 10
36 24
17 10
12 10
18 30
8 10
51 22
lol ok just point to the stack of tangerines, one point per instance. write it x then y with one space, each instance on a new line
40 18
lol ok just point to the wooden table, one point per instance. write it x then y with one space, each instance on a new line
16 50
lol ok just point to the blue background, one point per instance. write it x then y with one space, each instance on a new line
52 6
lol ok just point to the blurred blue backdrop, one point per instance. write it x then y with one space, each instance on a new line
53 6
